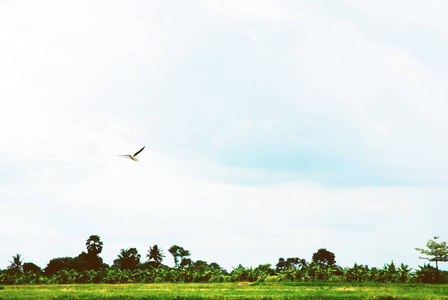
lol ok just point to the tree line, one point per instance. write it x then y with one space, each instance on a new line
88 267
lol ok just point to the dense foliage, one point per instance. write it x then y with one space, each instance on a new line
203 272
127 268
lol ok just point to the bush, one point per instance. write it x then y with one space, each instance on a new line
244 274
429 274
272 278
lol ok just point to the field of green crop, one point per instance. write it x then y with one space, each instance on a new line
242 290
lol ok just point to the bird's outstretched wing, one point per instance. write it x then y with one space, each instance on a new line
136 153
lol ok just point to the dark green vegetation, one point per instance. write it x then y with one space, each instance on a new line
203 272
88 267
242 290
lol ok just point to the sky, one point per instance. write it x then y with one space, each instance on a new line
272 129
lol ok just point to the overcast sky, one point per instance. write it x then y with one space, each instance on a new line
272 129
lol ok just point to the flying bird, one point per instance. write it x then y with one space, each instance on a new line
133 157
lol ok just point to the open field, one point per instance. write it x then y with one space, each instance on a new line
313 290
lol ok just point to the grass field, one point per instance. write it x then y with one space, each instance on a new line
312 290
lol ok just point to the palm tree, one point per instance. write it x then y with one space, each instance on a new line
16 263
127 259
94 245
156 254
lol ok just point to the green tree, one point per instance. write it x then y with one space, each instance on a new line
16 263
94 245
127 259
86 261
58 264
155 253
186 262
78 263
324 257
176 252
436 251
32 268
289 263
265 270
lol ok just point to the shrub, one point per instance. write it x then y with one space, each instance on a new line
429 274
272 278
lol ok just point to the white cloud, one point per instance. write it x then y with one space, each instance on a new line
251 34
83 82
264 11
160 201
356 80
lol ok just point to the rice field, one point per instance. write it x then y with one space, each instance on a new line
241 290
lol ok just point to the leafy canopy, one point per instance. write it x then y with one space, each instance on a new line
324 257
94 245
128 259
176 252
435 252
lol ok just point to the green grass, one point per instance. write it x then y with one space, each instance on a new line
313 290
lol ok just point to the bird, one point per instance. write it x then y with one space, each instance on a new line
133 157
